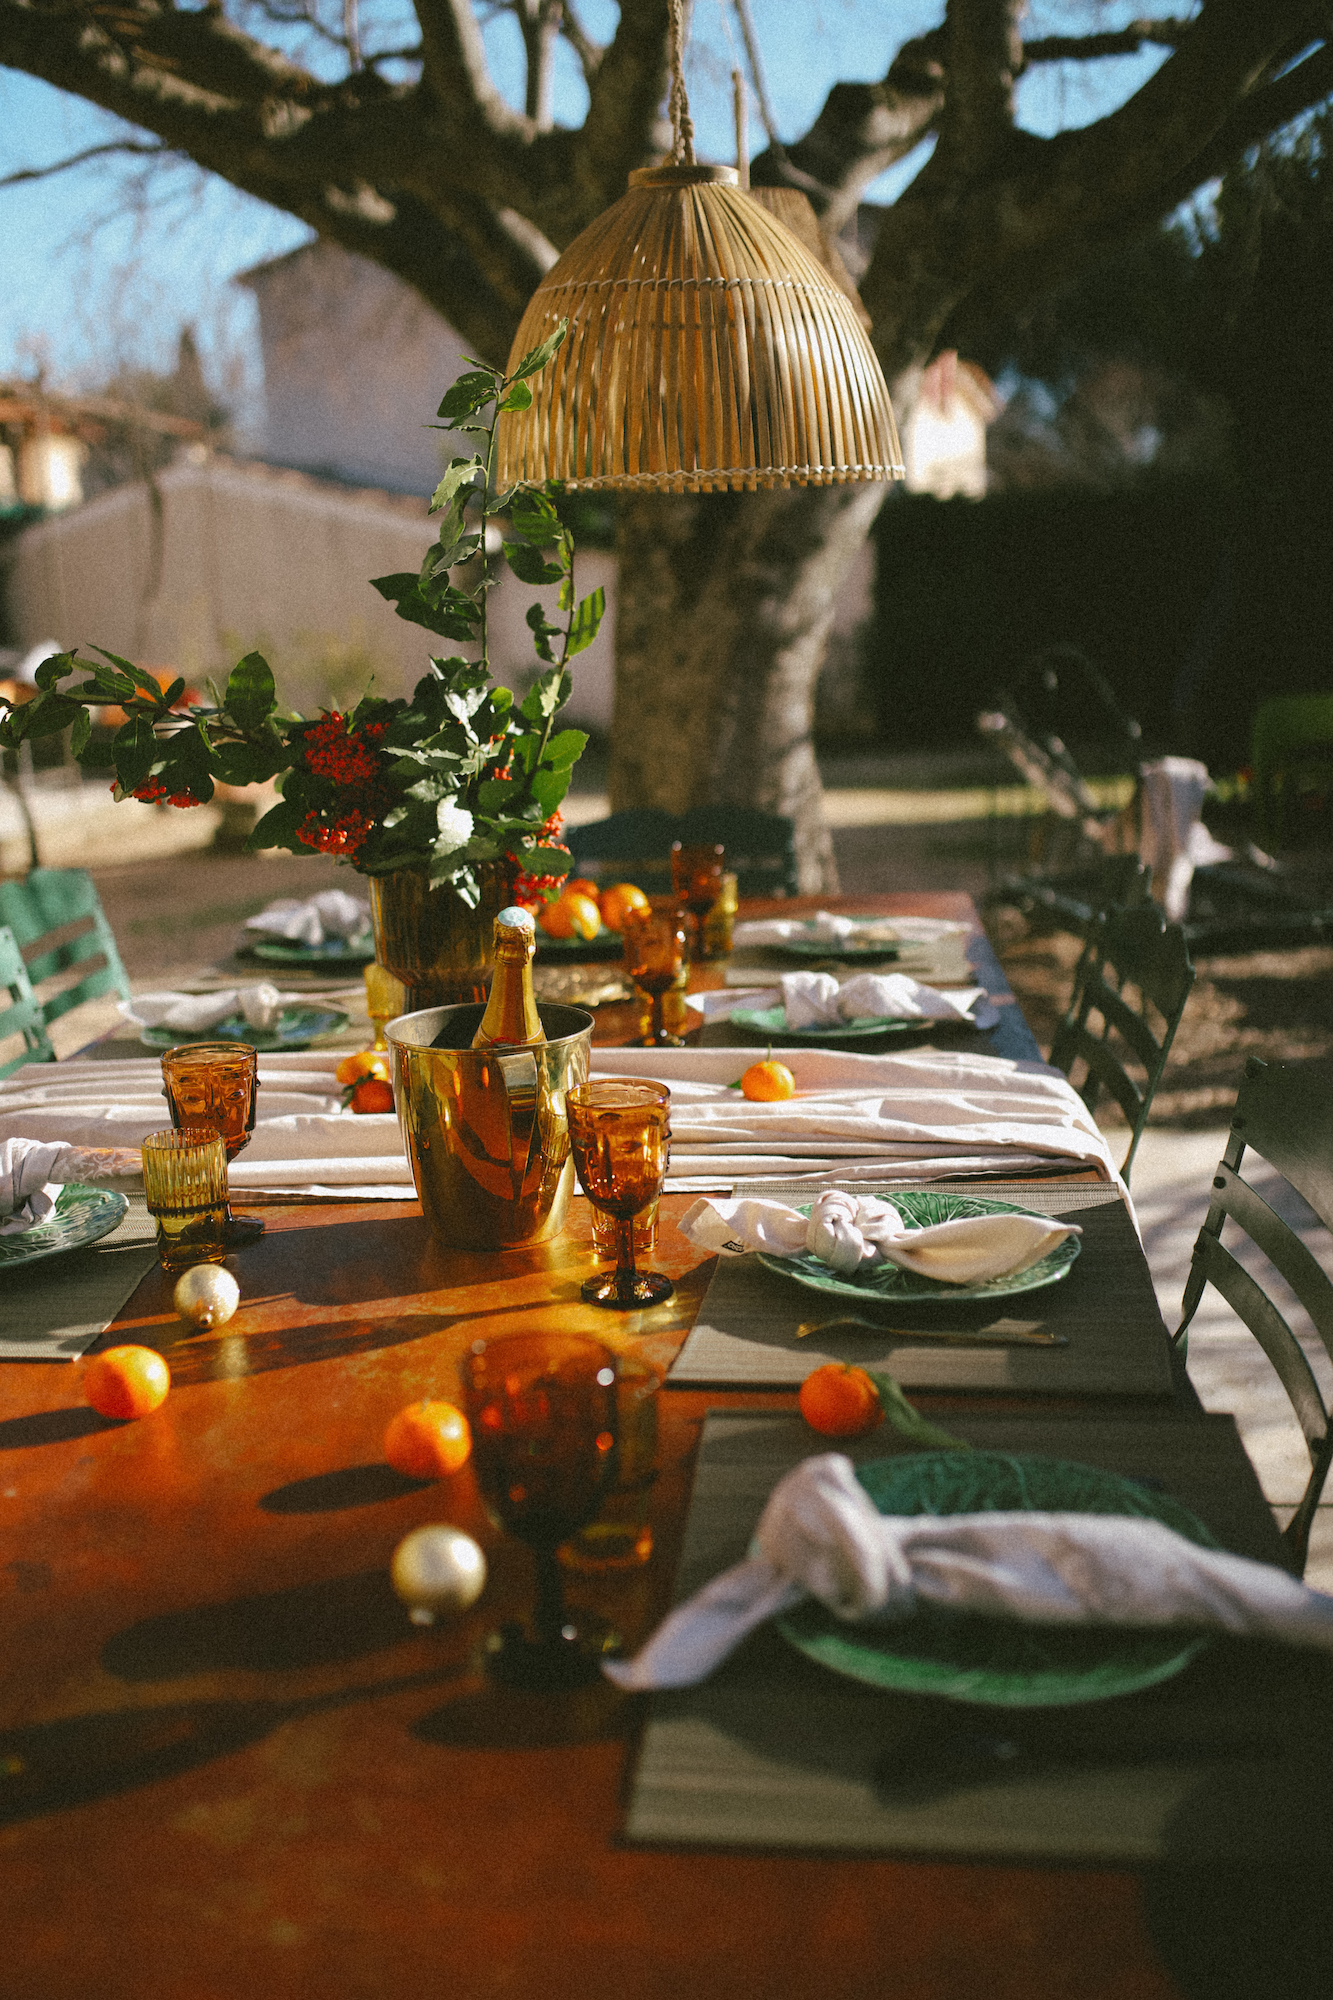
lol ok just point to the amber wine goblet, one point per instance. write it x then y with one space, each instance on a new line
696 877
215 1084
654 954
543 1412
620 1134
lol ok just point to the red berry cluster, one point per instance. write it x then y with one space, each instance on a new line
531 891
333 752
153 789
353 761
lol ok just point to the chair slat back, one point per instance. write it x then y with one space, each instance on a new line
57 917
1284 1113
1131 948
635 846
20 1009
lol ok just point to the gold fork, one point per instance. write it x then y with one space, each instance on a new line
1003 1332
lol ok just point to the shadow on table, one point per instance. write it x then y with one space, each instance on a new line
377 1258
55 1765
1244 1933
493 1718
225 1355
53 1427
310 1625
349 1486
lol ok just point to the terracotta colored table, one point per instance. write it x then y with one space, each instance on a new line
231 1768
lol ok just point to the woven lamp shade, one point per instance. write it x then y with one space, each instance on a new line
707 349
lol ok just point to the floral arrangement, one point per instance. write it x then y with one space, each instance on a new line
458 775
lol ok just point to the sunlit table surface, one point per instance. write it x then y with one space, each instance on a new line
231 1767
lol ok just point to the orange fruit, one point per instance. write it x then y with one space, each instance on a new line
427 1440
126 1381
618 901
840 1401
366 1062
570 916
579 885
768 1082
373 1093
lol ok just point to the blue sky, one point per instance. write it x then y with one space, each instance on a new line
92 276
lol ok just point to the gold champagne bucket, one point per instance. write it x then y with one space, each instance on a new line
485 1129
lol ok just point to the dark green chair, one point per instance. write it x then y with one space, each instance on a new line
20 1009
635 846
1103 1031
57 918
1284 1114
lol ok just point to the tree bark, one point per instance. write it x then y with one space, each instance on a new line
724 605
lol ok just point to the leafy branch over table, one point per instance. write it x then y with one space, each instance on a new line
458 775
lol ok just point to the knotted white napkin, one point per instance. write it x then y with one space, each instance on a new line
824 927
331 914
33 1172
852 1233
194 1013
816 1000
821 1535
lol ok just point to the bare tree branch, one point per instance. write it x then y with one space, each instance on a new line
457 71
152 148
621 130
588 51
1126 41
745 21
984 56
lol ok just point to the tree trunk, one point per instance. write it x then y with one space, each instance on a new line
724 603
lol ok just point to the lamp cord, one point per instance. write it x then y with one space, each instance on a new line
678 104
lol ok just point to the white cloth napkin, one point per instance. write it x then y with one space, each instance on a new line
821 1535
303 1141
817 1000
331 914
855 1232
880 1118
1173 840
194 1013
33 1171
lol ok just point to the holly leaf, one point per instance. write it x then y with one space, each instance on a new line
529 564
146 683
251 695
81 731
537 357
471 392
533 516
460 475
586 622
546 695
54 668
403 591
135 750
565 748
278 827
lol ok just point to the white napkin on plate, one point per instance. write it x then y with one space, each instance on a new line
821 1535
331 914
855 1232
194 1013
33 1171
824 927
816 1000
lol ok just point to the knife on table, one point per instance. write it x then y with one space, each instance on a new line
1000 1333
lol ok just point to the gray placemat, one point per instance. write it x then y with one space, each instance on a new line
745 1335
1227 1762
54 1309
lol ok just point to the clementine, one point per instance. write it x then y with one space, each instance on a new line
570 916
427 1440
126 1381
840 1400
618 901
366 1062
579 885
768 1082
373 1093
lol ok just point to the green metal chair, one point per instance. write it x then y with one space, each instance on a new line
1284 1113
1131 948
21 1013
635 846
57 918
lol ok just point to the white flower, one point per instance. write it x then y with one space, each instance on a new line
455 826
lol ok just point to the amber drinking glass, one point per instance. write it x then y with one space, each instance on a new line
620 1134
654 954
543 1412
620 1535
185 1187
214 1084
696 877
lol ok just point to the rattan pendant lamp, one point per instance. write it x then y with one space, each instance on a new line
707 348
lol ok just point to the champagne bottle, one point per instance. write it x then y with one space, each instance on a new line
511 1019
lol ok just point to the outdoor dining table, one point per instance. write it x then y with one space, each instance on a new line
230 1766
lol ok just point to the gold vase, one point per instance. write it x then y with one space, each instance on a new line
431 941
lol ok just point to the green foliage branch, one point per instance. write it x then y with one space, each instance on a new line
457 775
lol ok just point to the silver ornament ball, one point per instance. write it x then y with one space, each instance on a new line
206 1296
437 1569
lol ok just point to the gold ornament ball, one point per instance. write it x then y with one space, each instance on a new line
206 1296
437 1569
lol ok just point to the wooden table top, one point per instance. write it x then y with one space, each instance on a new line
231 1767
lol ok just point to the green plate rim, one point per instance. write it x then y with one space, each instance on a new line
758 1021
907 1287
289 951
262 1039
110 1209
1099 1663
